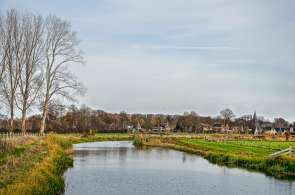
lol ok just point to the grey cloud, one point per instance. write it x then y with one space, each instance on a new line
173 55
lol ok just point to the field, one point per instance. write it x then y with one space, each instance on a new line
259 149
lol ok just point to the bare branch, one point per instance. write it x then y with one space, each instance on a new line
60 50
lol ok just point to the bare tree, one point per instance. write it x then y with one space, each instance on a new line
13 59
30 75
280 123
2 47
227 114
60 50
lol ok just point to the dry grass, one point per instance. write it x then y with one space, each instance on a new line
36 165
38 169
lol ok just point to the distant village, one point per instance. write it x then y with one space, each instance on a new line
256 127
63 119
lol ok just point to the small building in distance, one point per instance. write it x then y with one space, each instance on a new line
167 128
133 129
280 129
291 129
217 127
158 129
138 127
267 126
206 128
221 128
238 129
162 128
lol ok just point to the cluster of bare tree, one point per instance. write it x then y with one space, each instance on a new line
35 53
64 119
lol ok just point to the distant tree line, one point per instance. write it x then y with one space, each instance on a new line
35 54
62 119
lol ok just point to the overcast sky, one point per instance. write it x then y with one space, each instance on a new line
171 56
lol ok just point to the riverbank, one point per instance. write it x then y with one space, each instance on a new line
249 154
36 164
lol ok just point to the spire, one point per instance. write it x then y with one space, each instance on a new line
254 122
256 127
254 116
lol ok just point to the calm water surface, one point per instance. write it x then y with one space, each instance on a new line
119 168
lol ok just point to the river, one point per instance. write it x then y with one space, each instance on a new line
120 168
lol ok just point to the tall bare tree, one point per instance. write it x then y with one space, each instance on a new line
60 50
227 114
30 80
2 46
13 37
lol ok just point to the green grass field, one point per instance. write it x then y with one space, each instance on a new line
252 155
247 148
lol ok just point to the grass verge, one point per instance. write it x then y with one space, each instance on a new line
45 177
37 165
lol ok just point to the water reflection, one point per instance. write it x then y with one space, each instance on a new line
119 168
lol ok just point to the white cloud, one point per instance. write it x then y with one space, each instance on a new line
175 55
207 48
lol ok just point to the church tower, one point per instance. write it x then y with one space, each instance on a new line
255 124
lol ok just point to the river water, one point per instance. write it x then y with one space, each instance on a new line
119 168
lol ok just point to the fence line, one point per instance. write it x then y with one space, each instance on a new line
15 135
288 151
7 140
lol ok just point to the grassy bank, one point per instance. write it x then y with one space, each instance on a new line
36 165
251 155
40 167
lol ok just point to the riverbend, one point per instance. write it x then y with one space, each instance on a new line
120 168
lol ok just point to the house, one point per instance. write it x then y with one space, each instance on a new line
292 129
280 129
138 127
226 128
258 130
167 128
158 129
273 131
162 128
205 127
217 127
130 127
237 129
267 126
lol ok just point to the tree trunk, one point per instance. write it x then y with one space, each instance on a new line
11 124
23 128
11 118
44 116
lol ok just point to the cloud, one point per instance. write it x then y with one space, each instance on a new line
207 48
175 55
